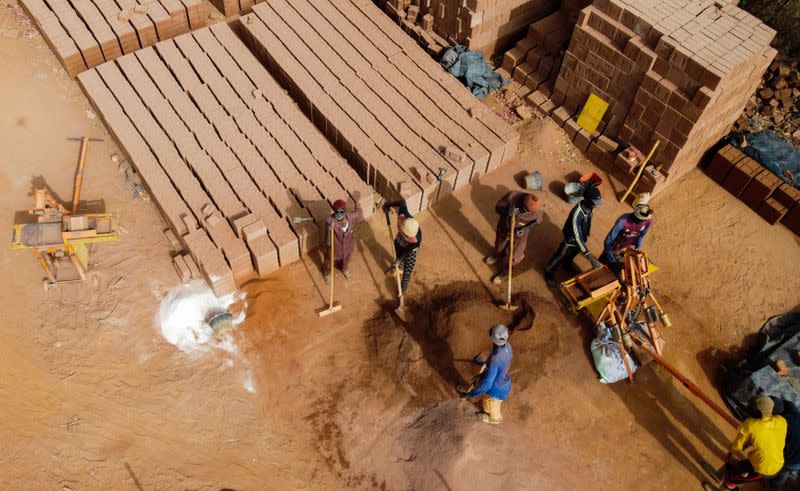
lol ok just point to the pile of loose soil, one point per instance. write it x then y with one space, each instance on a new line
448 326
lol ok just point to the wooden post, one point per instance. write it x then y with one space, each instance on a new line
639 173
76 196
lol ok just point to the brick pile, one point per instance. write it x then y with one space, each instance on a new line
678 71
491 26
535 61
87 33
394 113
225 153
757 187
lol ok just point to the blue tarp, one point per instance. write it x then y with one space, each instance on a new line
472 70
771 151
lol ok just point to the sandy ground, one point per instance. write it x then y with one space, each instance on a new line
93 397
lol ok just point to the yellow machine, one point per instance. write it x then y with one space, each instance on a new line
619 305
60 238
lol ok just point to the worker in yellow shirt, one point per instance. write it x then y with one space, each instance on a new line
757 450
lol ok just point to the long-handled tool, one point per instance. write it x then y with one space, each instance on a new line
400 310
691 386
79 175
508 305
333 306
639 173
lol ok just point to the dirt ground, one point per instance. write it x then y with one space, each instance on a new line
93 397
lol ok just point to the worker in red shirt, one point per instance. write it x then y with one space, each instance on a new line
528 210
344 223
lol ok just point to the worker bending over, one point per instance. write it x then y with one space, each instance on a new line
344 223
407 241
576 234
527 208
628 231
496 381
757 450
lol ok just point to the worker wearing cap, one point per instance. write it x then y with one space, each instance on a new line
407 241
527 208
791 450
576 234
495 383
757 449
628 231
344 223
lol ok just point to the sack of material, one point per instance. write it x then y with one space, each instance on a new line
608 358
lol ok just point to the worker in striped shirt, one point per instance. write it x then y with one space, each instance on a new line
576 235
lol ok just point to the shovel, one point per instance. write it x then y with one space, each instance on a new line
332 305
508 305
400 310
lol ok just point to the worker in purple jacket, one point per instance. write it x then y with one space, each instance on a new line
628 231
344 223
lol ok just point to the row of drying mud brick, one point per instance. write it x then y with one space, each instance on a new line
490 26
225 153
678 72
758 187
389 108
86 33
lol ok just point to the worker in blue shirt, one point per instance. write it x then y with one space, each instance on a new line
576 234
495 383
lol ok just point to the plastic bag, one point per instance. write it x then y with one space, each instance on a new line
608 358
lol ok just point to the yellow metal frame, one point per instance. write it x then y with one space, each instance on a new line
594 306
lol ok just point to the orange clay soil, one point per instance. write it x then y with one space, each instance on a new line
93 397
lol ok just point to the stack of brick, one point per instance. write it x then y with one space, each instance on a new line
679 72
535 61
420 28
87 33
394 113
224 152
758 187
491 26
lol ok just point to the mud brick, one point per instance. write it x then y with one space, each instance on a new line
625 164
772 211
606 144
740 175
582 139
571 127
759 189
594 153
184 273
242 222
792 220
787 195
560 116
265 255
172 240
722 163
193 268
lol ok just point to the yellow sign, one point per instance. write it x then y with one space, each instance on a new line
592 113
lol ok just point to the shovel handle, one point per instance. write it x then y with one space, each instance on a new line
511 255
333 267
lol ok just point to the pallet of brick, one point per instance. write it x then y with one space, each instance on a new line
396 115
491 26
680 75
87 33
224 152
